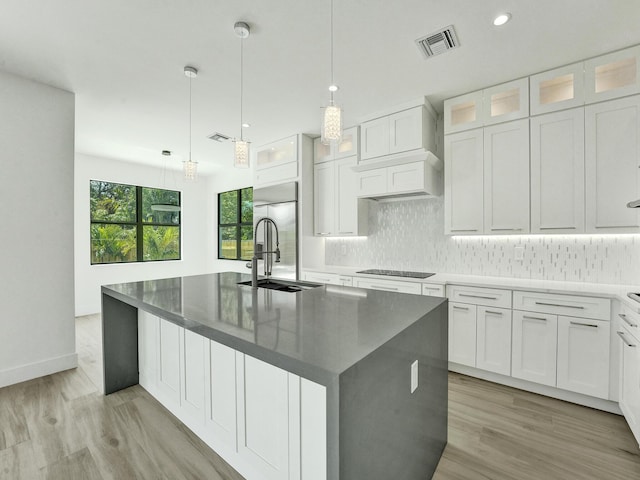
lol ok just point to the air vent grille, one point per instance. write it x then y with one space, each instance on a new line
438 42
218 137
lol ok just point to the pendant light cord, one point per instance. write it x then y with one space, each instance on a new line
190 118
331 49
241 83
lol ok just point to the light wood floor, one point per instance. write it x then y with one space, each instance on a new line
62 427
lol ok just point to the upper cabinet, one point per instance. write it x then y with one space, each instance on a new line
557 89
404 131
346 148
276 162
614 75
502 103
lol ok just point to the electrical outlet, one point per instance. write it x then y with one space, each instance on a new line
519 253
414 376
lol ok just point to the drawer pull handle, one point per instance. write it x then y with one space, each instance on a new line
584 324
323 233
493 312
627 321
477 296
460 308
506 229
559 305
462 230
393 289
432 288
345 233
626 342
534 318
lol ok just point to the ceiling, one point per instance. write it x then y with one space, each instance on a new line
124 60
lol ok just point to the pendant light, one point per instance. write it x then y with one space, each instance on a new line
190 167
331 130
241 147
165 207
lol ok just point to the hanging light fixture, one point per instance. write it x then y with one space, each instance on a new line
159 206
331 130
241 147
190 167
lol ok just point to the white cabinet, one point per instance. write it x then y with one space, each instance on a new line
557 172
433 290
583 356
464 183
420 177
169 337
192 373
346 148
328 278
263 418
534 347
462 334
221 395
557 89
613 75
337 209
493 343
463 113
276 162
414 288
148 326
506 178
630 372
612 165
399 132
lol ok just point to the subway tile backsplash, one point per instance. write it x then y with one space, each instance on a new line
409 235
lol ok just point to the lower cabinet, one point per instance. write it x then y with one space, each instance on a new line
388 285
265 422
534 345
630 370
462 334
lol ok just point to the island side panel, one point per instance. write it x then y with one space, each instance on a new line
385 430
119 344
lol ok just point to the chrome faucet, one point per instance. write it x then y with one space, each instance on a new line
257 255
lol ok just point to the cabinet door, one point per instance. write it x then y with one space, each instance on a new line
406 131
221 394
375 138
614 75
372 182
324 198
557 172
413 288
557 89
277 153
462 334
534 347
169 335
263 418
192 368
509 101
493 344
148 350
506 178
612 165
463 180
345 281
463 112
630 382
405 178
432 290
346 199
317 277
583 356
321 152
349 145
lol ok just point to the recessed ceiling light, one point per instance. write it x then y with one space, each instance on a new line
246 125
333 88
501 19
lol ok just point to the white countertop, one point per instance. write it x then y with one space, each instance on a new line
618 292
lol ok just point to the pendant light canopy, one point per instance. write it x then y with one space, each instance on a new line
331 130
190 167
241 147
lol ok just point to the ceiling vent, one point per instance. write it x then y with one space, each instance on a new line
218 137
438 42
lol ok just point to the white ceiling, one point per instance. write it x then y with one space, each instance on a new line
124 60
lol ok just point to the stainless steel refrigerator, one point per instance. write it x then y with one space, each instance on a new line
280 203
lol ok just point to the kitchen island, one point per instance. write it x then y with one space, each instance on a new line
329 382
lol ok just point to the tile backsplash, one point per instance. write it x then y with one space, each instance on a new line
409 235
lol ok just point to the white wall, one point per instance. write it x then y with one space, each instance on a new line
37 328
198 222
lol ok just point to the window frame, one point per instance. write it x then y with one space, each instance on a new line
239 224
139 225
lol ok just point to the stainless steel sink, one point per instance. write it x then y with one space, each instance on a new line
282 285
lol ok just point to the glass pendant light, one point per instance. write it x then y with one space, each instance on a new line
331 130
241 147
190 167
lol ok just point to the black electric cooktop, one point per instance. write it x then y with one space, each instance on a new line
397 273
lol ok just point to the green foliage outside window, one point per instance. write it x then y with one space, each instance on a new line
235 224
133 224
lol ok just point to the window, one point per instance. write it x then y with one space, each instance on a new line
235 224
133 224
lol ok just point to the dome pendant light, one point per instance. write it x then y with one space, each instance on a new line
241 147
331 130
190 167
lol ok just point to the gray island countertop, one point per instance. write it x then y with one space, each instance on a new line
316 333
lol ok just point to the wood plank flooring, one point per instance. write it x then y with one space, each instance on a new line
63 427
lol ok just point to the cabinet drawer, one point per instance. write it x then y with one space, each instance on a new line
345 281
372 182
321 277
405 178
433 290
630 320
571 305
389 285
490 297
276 173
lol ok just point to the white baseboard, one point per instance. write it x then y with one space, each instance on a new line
30 371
